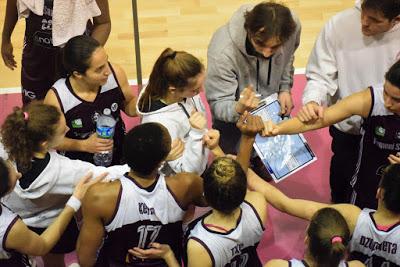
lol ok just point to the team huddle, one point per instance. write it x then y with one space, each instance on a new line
60 193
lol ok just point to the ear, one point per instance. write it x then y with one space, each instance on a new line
306 240
44 145
172 89
77 74
379 193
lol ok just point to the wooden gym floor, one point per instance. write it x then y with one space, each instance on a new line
179 24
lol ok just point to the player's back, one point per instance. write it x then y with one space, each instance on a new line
142 215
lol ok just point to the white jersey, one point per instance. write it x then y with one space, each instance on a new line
8 257
372 246
302 263
236 247
142 216
175 117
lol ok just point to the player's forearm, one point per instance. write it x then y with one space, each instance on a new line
294 126
101 32
86 256
10 20
53 233
245 148
130 108
69 144
217 152
170 260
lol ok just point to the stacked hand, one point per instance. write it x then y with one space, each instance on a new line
247 100
270 129
310 112
250 125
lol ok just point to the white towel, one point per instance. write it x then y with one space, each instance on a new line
70 17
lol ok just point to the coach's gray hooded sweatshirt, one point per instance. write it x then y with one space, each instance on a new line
230 68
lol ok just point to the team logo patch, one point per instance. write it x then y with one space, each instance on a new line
114 107
77 123
106 111
380 131
95 116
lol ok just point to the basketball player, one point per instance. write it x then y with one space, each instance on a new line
41 56
375 233
229 234
91 87
354 50
17 241
140 208
379 106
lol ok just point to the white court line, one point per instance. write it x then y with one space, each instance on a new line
16 90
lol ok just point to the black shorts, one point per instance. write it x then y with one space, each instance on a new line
41 67
67 242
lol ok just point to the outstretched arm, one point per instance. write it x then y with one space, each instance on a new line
35 245
249 125
355 104
300 208
211 140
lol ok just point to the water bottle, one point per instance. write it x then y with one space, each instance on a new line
105 127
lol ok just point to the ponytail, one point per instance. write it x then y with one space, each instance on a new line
25 129
328 235
172 68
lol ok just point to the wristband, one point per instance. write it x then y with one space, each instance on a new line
74 203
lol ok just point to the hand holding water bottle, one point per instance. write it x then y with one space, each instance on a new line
105 127
96 144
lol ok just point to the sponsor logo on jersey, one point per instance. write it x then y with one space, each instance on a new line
380 131
114 107
107 111
77 123
95 116
29 94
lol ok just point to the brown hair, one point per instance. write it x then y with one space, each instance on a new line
268 20
172 68
224 184
328 235
25 129
389 8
